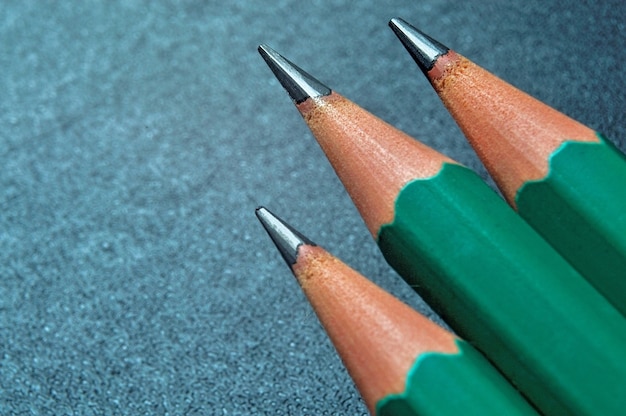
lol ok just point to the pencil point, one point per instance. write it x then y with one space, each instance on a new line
285 237
298 83
424 49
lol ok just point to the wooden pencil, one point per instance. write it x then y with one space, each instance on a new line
401 362
565 179
494 280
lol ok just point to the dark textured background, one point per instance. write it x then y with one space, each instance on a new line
136 139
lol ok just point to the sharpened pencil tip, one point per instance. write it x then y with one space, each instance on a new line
424 49
298 83
285 237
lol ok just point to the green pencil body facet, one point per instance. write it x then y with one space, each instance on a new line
438 385
504 289
580 208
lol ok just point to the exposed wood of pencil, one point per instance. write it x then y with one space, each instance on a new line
503 123
377 336
365 149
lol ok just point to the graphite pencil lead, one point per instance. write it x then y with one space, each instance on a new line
284 236
424 49
297 82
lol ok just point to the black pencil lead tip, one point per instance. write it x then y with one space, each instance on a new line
298 83
424 49
285 237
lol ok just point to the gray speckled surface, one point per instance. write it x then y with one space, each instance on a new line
136 140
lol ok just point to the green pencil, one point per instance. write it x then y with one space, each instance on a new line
401 362
566 180
494 280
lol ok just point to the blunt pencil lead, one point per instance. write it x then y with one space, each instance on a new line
424 49
286 239
481 267
401 362
298 84
562 177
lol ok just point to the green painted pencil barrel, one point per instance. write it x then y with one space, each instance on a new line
580 208
505 289
454 384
